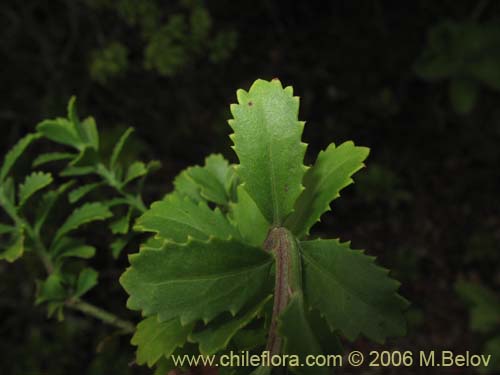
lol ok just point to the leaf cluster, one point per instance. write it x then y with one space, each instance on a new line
230 264
46 212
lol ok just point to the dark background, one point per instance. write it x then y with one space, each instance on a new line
416 81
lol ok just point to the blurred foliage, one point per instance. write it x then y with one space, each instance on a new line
380 183
484 307
51 229
467 54
175 34
108 62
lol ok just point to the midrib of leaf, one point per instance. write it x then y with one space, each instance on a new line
344 289
214 277
274 195
274 192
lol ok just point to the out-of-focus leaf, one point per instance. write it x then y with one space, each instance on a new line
16 249
85 214
119 147
14 154
135 170
78 193
117 246
32 183
51 289
463 94
121 226
47 203
485 305
87 279
62 131
52 156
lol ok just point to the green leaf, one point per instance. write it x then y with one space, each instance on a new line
121 226
119 147
90 129
82 251
355 295
485 305
71 111
178 218
51 289
14 154
60 130
16 249
155 339
86 130
247 217
215 338
117 246
267 141
463 94
135 170
196 280
298 338
50 157
85 214
7 200
57 309
8 190
76 171
78 193
87 279
72 247
4 228
330 174
213 179
32 183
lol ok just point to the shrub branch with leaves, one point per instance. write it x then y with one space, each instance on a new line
204 280
33 210
230 265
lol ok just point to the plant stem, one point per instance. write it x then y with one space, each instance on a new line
43 255
98 313
288 278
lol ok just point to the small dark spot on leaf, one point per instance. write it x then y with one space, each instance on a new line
286 188
250 103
